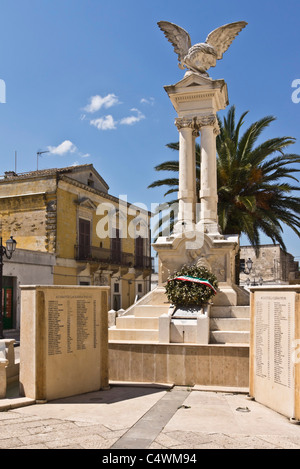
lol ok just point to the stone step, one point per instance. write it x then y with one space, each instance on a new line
230 324
230 312
229 337
150 310
143 335
132 322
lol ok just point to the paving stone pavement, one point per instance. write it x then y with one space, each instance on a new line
136 416
129 417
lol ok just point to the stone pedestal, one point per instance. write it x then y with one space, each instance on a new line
217 255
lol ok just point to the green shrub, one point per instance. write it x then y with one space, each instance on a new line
190 293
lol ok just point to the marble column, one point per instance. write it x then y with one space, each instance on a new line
208 188
187 181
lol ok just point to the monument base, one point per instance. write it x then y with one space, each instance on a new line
216 253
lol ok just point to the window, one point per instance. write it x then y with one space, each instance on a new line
140 288
139 252
116 248
84 238
116 287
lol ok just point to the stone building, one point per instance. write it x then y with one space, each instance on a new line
272 266
96 238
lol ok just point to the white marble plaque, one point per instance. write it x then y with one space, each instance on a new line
273 350
64 331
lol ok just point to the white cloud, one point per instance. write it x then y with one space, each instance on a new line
63 148
97 102
84 155
104 123
147 101
132 119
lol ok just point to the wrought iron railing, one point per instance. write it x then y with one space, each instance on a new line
143 262
109 256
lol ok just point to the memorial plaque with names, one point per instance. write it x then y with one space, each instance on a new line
73 338
72 323
65 340
273 342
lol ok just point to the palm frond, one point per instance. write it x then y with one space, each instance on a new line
257 182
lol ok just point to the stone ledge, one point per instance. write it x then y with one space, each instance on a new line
14 403
230 389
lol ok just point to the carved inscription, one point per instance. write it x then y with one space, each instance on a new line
282 343
54 328
274 330
73 324
82 323
262 340
273 338
70 319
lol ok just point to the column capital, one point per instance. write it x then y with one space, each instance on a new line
207 120
184 123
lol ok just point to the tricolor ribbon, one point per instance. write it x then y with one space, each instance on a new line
202 281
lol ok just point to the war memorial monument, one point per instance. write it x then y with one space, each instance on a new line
234 341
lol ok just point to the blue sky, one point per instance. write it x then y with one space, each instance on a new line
84 79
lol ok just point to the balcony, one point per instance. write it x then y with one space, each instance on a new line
109 256
143 262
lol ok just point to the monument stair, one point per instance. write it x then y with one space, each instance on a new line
141 325
230 324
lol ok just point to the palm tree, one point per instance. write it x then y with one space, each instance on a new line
256 183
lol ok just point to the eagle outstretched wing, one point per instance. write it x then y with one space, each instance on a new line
222 37
178 37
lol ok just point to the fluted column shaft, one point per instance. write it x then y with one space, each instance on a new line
187 163
208 186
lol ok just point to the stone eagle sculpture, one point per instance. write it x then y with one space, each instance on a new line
200 57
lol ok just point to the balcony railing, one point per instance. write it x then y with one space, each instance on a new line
143 262
106 256
109 256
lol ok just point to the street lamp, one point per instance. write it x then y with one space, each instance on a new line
8 252
247 269
249 264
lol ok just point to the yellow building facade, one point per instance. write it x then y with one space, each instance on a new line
97 238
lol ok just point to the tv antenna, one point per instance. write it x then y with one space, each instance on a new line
39 153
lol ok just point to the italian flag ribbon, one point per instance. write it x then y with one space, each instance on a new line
202 281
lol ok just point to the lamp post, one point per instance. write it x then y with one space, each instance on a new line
247 270
249 264
8 252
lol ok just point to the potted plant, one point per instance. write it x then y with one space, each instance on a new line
191 287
